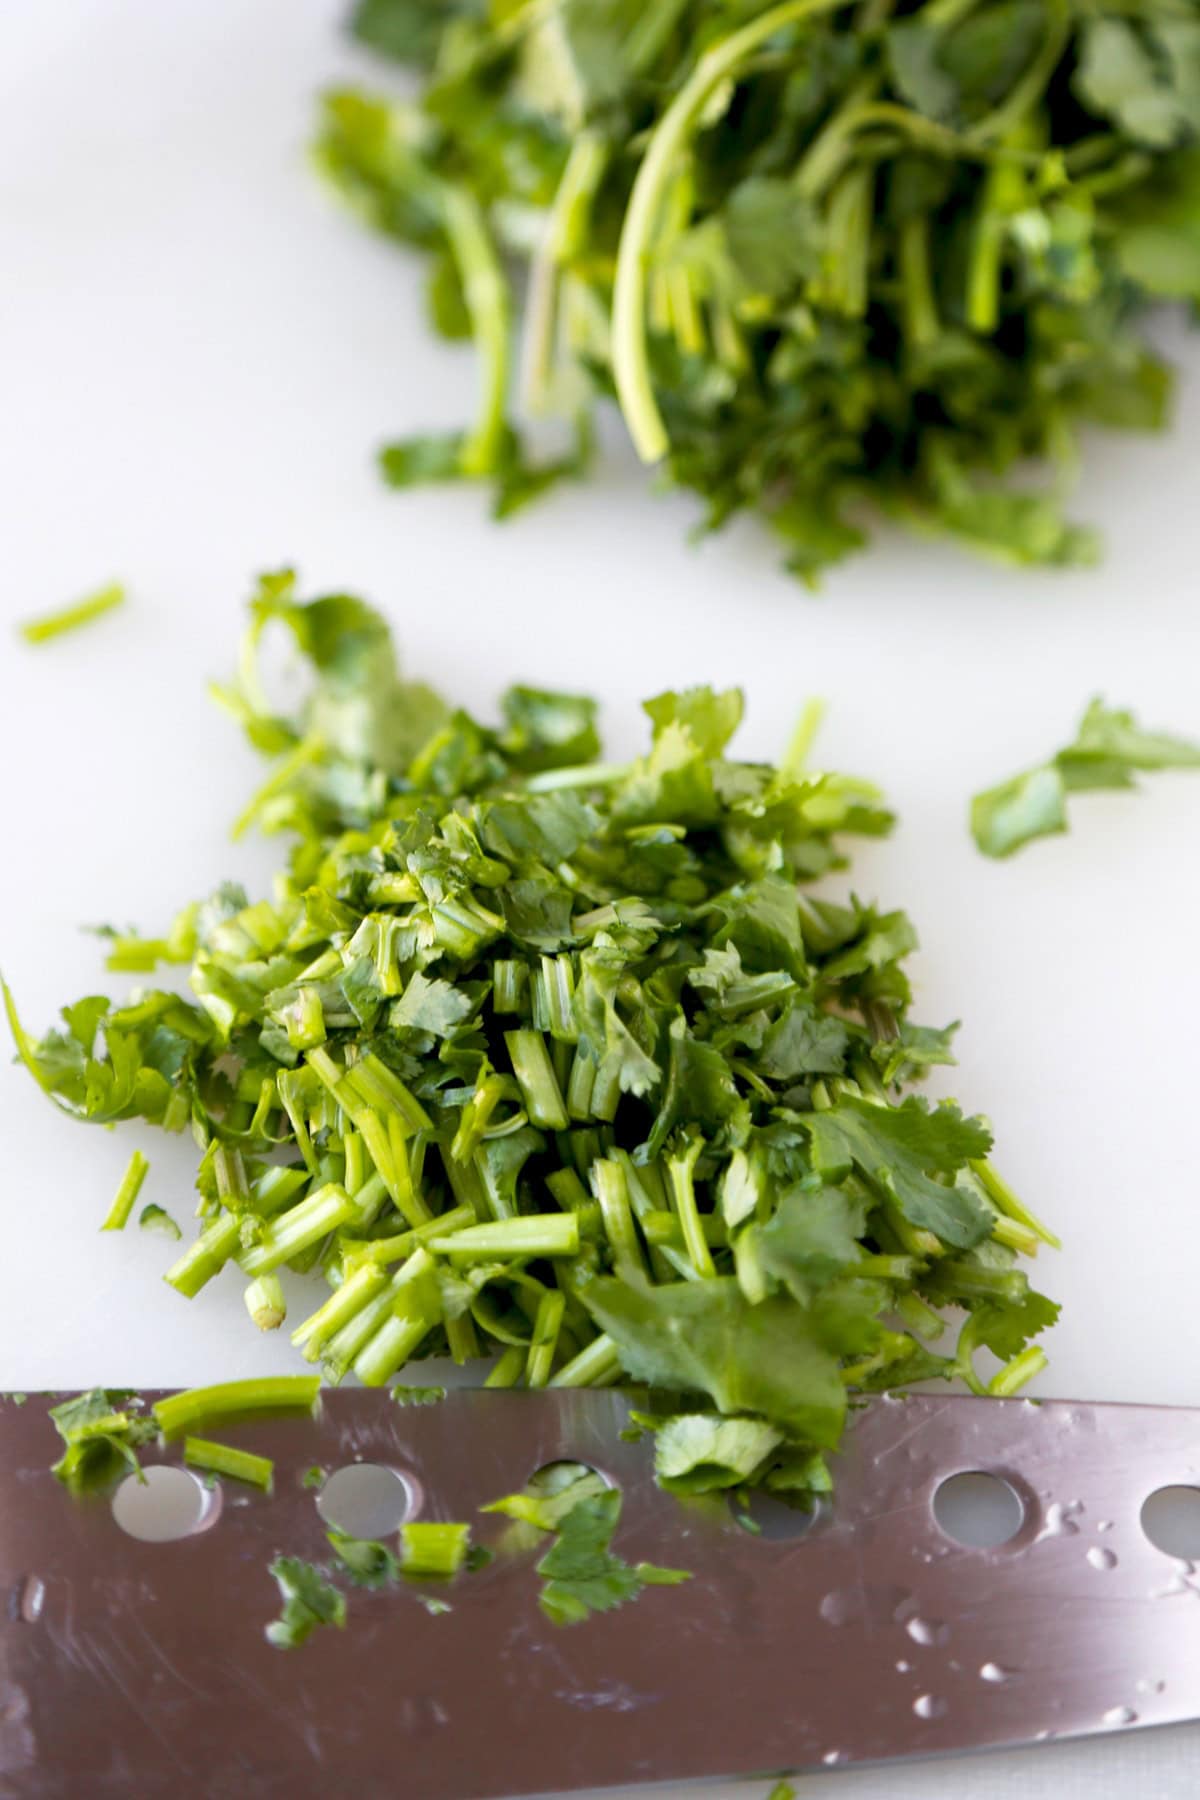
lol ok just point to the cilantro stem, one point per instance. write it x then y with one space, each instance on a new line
224 1459
206 1257
431 1549
919 1317
1015 1373
1006 1201
510 1366
230 1399
414 1309
339 1351
284 1237
608 1179
596 1364
338 1310
378 1252
922 326
485 291
308 751
265 1302
69 618
599 774
680 1171
630 348
535 1076
565 232
126 1195
546 1326
529 1234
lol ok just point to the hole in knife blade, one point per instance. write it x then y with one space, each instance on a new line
367 1500
164 1504
978 1510
1171 1520
771 1517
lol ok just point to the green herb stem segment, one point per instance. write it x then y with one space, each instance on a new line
126 1195
630 354
178 1413
265 1302
430 1550
228 1460
70 618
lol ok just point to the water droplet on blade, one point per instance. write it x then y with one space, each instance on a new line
1104 1525
29 1599
903 1667
995 1672
1147 1686
1101 1557
929 1632
1119 1715
832 1758
1060 1520
930 1706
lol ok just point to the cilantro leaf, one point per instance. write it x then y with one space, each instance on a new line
697 1452
901 1149
1109 749
705 1337
581 1575
309 1599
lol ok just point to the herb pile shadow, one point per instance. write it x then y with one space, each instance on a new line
830 260
554 1061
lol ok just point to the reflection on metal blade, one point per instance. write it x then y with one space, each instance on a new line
132 1668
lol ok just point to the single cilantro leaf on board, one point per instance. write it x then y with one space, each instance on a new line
1110 747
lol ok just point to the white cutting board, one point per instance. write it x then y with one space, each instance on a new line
198 351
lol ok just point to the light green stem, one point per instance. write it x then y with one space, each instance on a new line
631 355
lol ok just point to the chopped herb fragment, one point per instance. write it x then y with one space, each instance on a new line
428 1549
103 1430
232 1399
70 618
225 1459
309 1600
126 1195
156 1218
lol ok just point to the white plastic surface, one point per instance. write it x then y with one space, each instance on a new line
198 352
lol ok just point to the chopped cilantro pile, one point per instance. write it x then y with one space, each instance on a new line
561 1064
829 260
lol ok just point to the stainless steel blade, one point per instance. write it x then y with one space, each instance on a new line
135 1668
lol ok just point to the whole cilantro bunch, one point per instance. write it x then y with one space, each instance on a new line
831 260
562 1063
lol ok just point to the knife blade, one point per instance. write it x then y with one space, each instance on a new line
134 1667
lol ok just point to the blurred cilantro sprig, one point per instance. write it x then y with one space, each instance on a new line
830 260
